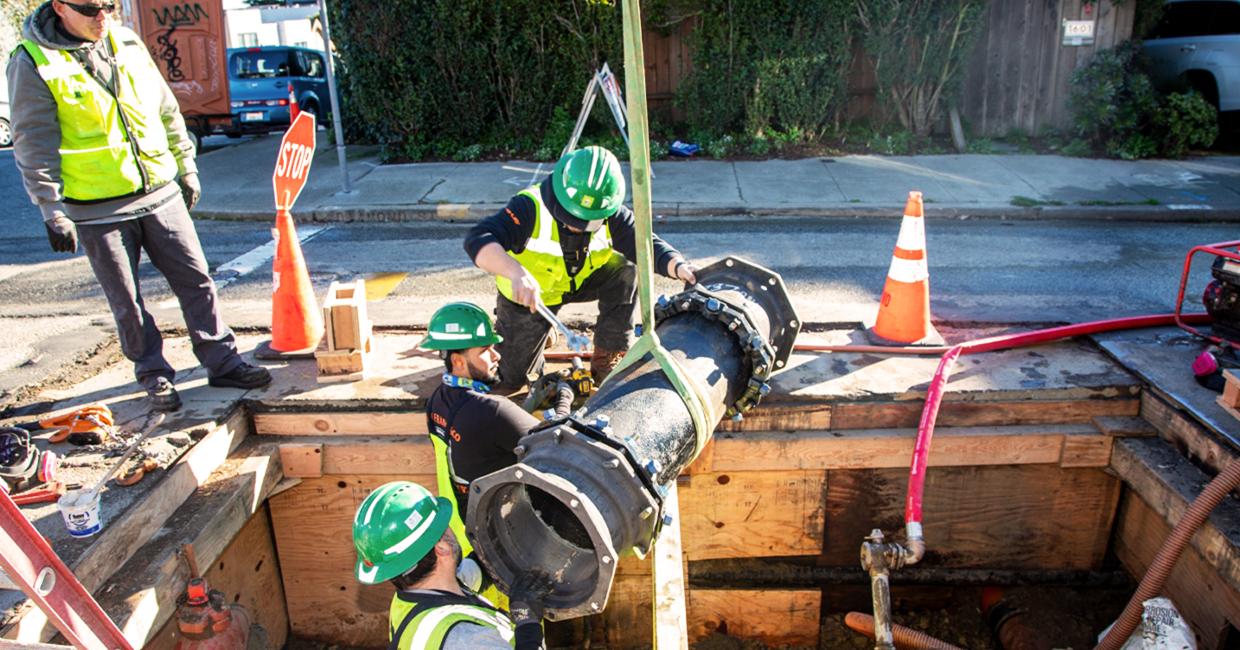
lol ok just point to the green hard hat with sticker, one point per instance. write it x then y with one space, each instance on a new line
459 326
589 183
395 527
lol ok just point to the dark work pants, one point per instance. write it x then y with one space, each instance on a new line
525 333
171 243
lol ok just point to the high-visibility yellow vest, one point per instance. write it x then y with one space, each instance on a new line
544 258
111 145
428 627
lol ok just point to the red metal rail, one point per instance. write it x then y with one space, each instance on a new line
1218 249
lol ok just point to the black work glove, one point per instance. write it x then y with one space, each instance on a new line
191 189
62 235
526 600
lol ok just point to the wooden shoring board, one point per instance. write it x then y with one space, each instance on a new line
1168 482
120 539
313 526
1024 517
1069 444
1188 435
902 414
1203 597
775 617
668 580
752 514
341 423
248 572
141 596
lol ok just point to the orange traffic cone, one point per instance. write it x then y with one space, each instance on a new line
904 311
296 322
293 109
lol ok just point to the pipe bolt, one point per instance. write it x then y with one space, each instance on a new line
667 520
713 305
594 606
601 421
612 464
519 450
519 474
606 559
652 467
573 503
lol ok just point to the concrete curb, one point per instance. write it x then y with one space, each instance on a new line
454 212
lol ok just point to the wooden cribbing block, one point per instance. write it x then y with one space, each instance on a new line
344 365
344 316
1230 399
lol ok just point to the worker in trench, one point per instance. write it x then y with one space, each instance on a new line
401 534
568 239
473 431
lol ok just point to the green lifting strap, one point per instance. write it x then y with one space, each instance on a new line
639 169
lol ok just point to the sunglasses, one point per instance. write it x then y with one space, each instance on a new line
90 11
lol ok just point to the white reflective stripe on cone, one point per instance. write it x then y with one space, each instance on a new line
912 234
908 270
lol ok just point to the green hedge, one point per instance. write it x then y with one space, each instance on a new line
431 78
470 78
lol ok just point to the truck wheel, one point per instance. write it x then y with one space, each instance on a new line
6 133
196 139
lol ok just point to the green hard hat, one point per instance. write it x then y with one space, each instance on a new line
589 183
459 325
397 525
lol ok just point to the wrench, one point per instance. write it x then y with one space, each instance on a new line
575 341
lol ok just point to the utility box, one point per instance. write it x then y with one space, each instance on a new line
188 42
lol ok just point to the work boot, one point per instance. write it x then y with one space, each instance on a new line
602 362
243 376
162 395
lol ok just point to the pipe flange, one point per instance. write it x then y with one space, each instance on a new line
716 307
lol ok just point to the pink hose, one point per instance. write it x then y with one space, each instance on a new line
934 396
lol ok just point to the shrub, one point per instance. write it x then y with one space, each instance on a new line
762 64
1187 120
1116 109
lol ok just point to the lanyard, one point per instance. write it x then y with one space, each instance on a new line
461 382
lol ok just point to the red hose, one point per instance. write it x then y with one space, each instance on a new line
934 395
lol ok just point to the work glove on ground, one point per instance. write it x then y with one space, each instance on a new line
62 234
191 189
541 392
526 599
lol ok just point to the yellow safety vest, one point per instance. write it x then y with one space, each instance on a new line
424 628
111 145
544 258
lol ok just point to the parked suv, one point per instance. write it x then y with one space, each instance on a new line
1196 44
258 82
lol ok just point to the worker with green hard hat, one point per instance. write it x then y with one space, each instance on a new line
473 432
401 535
568 239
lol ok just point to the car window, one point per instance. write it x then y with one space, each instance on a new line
1206 18
309 65
258 64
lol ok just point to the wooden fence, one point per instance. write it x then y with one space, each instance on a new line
1017 79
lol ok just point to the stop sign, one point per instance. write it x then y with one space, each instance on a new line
293 161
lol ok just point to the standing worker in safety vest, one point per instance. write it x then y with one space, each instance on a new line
473 432
568 239
401 534
103 151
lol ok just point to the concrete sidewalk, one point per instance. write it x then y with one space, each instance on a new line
237 185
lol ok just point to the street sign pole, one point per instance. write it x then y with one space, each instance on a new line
331 89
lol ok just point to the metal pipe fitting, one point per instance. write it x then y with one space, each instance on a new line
877 558
590 487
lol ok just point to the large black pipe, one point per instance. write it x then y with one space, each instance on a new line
590 487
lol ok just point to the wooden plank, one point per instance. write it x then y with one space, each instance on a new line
141 597
382 456
892 415
668 580
313 523
248 572
1167 482
1231 390
302 460
1019 517
1125 427
120 539
346 423
874 448
752 514
1086 449
782 417
1186 434
774 617
345 309
1210 604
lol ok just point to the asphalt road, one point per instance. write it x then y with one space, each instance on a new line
981 270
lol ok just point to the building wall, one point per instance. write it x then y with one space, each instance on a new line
247 29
